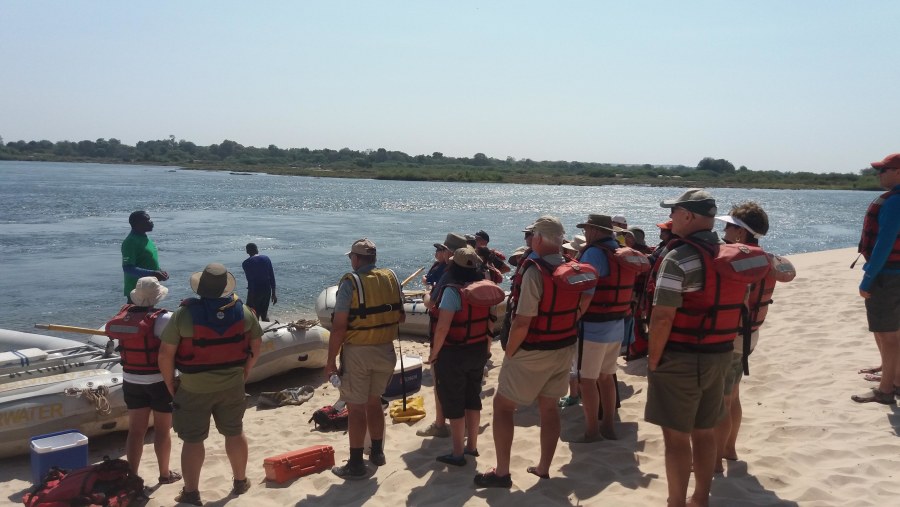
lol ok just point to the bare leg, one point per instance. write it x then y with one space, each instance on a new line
704 454
356 424
678 465
138 420
236 449
890 357
458 432
736 414
162 440
439 419
550 428
375 418
590 404
503 432
607 385
723 432
192 456
473 420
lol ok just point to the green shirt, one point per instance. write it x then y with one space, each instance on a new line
181 325
140 251
681 271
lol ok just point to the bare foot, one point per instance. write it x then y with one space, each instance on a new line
693 502
608 434
720 467
874 369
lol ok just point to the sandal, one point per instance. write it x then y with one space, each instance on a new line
240 487
875 396
533 471
492 480
192 497
568 401
172 477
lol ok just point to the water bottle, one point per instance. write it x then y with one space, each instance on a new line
335 380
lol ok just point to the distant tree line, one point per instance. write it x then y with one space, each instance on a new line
388 164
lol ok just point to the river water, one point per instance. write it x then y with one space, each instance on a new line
61 227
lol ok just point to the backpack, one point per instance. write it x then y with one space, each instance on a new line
108 483
483 293
330 417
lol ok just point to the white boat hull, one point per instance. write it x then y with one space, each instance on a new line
42 405
417 320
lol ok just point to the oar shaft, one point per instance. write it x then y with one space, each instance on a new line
70 329
410 277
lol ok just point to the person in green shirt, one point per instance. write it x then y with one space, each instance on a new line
139 256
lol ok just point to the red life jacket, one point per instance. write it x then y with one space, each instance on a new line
473 322
870 230
781 270
712 316
138 346
219 341
554 325
613 294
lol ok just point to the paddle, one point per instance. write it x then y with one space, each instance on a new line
70 329
410 277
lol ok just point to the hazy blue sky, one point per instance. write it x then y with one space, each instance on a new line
786 85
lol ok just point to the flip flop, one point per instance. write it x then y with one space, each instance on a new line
873 377
875 396
533 471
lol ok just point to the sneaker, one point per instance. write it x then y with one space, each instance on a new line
433 430
377 459
192 497
351 471
240 487
492 480
450 459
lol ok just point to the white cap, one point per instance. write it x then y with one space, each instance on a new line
740 223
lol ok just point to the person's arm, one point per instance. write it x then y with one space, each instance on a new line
272 280
660 326
517 333
253 329
338 335
445 317
888 229
166 359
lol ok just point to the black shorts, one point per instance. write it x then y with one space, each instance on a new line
155 396
883 308
458 373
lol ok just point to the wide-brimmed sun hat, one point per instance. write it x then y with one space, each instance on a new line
604 222
148 292
452 242
215 281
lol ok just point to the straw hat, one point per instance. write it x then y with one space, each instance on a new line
148 292
213 282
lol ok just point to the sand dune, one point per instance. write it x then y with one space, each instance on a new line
803 442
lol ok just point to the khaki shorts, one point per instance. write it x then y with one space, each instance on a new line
190 417
533 373
735 373
686 391
597 358
367 369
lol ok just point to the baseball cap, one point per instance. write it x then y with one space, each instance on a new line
695 200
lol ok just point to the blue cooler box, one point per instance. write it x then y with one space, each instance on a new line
412 366
66 449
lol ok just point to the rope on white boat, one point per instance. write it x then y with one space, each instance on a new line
97 395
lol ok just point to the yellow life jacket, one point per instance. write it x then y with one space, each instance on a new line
376 307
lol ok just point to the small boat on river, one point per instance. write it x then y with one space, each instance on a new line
50 384
417 320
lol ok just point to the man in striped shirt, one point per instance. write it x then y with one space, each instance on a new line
686 380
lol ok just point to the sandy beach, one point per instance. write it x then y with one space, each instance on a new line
802 442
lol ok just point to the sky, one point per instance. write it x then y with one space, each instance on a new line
796 85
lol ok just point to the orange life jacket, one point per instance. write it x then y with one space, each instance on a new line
710 318
472 323
613 294
219 340
138 346
554 325
870 230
